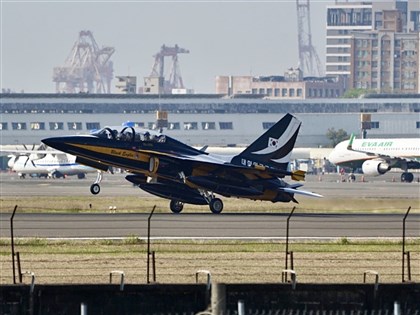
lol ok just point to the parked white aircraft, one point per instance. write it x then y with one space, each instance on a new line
46 163
378 156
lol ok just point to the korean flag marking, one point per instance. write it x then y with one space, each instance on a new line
273 142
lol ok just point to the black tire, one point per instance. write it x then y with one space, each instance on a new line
407 177
216 205
95 189
176 206
81 176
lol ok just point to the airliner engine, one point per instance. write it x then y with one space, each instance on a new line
375 167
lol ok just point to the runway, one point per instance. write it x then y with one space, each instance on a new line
203 225
209 226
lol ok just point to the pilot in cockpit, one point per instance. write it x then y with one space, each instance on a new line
146 136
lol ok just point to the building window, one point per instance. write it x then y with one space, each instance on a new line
270 92
3 126
299 92
56 126
283 92
225 125
74 125
254 91
190 126
292 92
18 126
418 124
261 91
267 125
93 126
374 124
174 126
276 92
37 126
208 125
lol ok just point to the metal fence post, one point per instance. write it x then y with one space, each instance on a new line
12 242
148 244
403 249
286 265
122 277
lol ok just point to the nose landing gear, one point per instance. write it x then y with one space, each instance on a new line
95 188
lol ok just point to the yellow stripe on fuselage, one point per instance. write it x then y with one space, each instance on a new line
123 153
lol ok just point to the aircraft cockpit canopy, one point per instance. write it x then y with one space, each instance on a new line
129 134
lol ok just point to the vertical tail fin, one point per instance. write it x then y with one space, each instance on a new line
274 147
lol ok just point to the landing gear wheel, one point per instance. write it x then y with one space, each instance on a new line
216 205
176 206
95 189
407 177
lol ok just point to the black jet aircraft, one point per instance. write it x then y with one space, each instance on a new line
170 169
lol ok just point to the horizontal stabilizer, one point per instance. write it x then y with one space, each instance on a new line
298 175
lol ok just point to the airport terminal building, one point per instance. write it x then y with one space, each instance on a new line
203 119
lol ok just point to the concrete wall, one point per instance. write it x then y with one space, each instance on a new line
193 298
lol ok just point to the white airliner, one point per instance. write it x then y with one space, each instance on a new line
46 163
378 156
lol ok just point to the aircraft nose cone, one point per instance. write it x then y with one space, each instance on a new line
55 143
11 162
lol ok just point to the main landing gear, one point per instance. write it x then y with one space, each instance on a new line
95 188
215 204
407 177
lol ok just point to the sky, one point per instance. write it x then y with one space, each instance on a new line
223 37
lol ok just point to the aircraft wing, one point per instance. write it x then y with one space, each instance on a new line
210 164
26 151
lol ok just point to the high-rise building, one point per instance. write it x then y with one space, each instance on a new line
342 20
375 45
385 61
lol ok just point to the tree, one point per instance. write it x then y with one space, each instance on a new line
336 136
357 93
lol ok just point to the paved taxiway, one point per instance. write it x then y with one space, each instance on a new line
226 225
116 185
